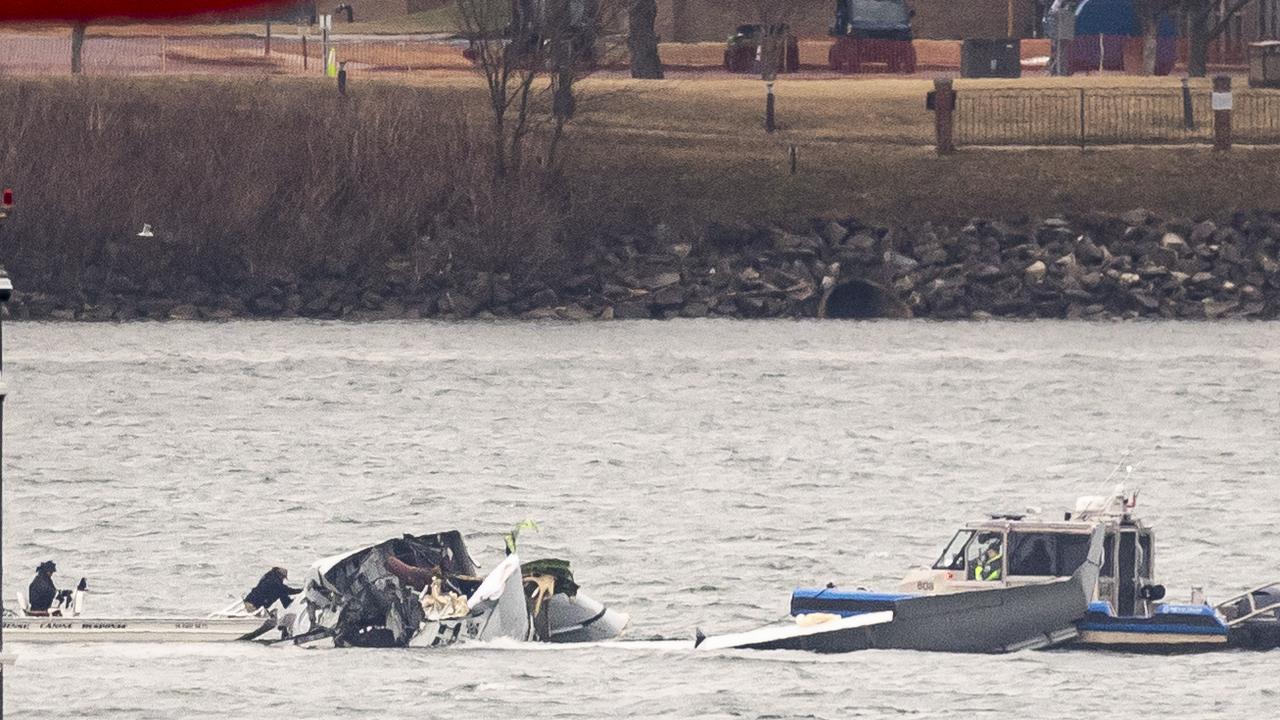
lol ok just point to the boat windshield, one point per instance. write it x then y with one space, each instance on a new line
954 556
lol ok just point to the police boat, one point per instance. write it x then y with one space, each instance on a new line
989 617
1126 609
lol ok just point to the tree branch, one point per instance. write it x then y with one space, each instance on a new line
1231 12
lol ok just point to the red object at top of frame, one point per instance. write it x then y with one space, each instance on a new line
86 10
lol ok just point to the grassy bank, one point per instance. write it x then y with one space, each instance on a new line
271 176
694 150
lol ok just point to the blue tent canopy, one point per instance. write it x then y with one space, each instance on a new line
1115 17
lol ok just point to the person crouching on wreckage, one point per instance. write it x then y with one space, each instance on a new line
270 589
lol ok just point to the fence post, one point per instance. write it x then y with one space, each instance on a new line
769 122
1084 128
944 105
77 48
326 22
267 49
304 53
1188 118
1221 100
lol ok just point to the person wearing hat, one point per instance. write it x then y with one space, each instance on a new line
42 592
990 564
270 588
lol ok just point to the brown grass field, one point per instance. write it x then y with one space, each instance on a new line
696 150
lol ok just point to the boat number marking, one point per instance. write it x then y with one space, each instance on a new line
924 585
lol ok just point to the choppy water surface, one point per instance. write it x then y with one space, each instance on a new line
693 471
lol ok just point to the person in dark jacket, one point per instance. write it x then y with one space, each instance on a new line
270 589
42 592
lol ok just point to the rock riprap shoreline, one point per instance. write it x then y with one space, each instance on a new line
1090 266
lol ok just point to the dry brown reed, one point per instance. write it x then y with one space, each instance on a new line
256 180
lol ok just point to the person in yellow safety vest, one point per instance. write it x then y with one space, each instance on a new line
990 564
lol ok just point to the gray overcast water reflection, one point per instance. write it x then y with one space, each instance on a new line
694 472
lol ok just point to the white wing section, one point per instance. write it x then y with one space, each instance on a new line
785 632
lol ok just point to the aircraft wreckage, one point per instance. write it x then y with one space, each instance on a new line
426 591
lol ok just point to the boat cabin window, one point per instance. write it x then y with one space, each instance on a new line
1109 557
964 549
1046 554
953 558
1144 556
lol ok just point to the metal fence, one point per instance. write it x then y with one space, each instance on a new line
41 54
1107 116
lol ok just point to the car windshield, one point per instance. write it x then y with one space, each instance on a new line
878 13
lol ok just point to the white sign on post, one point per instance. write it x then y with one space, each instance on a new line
326 22
1221 101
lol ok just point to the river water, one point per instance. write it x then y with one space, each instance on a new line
694 472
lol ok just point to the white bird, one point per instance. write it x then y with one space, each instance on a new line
146 231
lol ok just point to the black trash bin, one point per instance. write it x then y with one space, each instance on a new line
991 58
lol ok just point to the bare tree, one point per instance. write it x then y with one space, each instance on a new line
1206 21
1148 14
773 17
77 48
526 49
680 20
642 39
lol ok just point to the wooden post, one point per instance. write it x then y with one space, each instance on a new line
794 156
1188 117
304 52
77 48
1084 126
769 124
267 49
1221 101
944 105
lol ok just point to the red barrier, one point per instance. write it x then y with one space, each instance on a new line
86 10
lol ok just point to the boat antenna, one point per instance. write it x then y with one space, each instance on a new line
1122 465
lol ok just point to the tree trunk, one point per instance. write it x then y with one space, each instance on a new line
642 40
77 46
1198 53
680 31
1150 43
